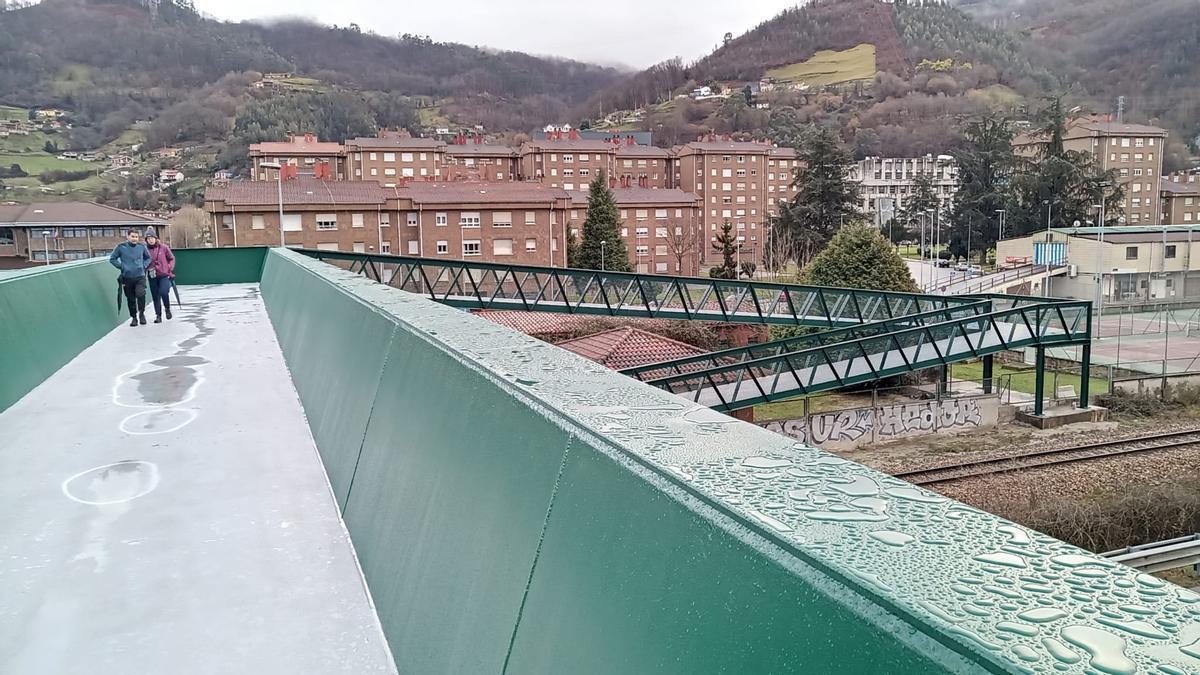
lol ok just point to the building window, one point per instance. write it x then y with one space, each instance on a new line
374 172
469 219
423 156
660 214
389 156
385 247
326 221
439 218
1131 253
373 156
643 251
389 172
568 159
531 244
502 247
660 232
661 249
406 172
502 219
113 232
585 172
292 222
385 219
411 218
414 247
406 157
643 232
258 223
444 246
74 233
1170 251
471 247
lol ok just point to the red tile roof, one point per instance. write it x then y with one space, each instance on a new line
729 146
1176 187
641 151
627 347
298 191
481 150
296 147
396 143
479 193
576 145
543 325
69 213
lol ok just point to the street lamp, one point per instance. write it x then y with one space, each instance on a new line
46 245
279 181
1001 233
602 243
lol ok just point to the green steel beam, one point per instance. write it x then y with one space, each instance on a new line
480 285
744 377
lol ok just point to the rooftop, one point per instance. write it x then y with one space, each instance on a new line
397 142
1175 187
478 193
298 191
65 213
629 347
481 149
578 144
542 325
641 151
298 145
1110 128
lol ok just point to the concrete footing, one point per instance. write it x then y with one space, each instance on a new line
1063 416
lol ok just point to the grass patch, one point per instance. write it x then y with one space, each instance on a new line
432 117
1024 378
794 409
830 67
36 163
8 112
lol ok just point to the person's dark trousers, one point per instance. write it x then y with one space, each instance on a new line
135 295
160 291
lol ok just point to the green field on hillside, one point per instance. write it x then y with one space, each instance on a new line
830 67
8 112
36 163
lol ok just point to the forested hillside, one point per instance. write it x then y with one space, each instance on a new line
113 61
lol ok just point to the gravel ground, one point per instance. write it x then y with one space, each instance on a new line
1083 480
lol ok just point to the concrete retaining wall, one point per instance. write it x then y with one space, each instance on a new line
519 509
47 316
853 427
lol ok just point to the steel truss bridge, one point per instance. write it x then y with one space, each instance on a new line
856 336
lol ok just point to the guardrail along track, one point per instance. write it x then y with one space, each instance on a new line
1030 460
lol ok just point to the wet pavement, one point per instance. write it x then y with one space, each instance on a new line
165 511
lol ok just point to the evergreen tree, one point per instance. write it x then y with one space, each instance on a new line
572 250
985 169
859 256
602 225
921 205
1056 186
826 199
727 245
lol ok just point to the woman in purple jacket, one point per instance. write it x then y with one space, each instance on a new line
160 274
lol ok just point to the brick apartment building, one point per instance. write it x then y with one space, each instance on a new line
305 152
67 230
1180 194
661 228
643 165
1135 151
565 162
739 182
472 159
502 222
393 156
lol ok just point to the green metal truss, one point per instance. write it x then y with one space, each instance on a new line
868 335
480 285
740 378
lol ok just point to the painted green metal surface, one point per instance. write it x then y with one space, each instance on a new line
484 285
219 265
774 371
48 315
519 509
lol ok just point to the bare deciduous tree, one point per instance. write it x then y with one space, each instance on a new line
190 227
682 243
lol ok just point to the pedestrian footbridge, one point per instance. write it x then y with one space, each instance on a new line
310 471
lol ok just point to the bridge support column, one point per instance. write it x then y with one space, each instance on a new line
1085 375
987 374
943 380
1039 394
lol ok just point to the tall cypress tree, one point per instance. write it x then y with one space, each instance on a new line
603 224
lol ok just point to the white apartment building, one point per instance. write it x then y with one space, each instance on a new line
886 183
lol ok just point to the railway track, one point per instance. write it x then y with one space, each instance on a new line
1030 460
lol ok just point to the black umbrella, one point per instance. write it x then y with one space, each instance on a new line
176 289
119 294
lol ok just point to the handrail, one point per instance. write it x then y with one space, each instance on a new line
1159 556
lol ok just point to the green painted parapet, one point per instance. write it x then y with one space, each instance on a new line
518 509
48 315
219 265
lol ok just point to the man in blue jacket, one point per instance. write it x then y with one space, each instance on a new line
132 258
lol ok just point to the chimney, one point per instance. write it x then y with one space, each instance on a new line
630 141
574 135
612 182
309 138
478 139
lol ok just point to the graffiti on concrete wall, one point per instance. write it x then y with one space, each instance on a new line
845 429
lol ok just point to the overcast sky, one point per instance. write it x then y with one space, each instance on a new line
635 33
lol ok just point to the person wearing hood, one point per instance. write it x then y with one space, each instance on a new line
161 273
132 258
